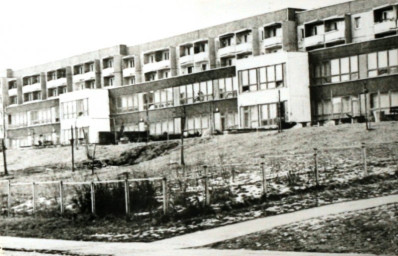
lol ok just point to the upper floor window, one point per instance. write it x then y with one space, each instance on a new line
74 109
263 78
13 100
272 31
337 70
201 47
12 85
383 63
77 70
357 22
89 67
30 96
243 37
331 26
109 81
108 63
129 63
31 80
226 62
166 55
227 88
226 41
385 14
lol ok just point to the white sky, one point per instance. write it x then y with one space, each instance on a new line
40 31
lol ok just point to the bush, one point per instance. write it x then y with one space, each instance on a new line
110 199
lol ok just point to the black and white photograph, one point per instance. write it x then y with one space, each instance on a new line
198 127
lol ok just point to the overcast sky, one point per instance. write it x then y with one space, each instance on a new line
40 31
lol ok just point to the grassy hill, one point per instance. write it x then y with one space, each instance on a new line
54 163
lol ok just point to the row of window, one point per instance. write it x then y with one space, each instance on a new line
34 117
31 96
188 94
347 69
33 139
355 105
262 78
79 133
74 109
53 92
257 116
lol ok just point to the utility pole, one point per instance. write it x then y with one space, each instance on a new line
73 151
279 111
3 146
183 116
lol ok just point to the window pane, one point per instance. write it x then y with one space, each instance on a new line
245 77
384 100
354 64
264 112
228 82
271 74
335 67
253 76
394 99
382 59
272 111
254 116
345 65
263 73
279 73
393 57
372 63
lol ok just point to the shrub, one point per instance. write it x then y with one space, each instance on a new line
110 198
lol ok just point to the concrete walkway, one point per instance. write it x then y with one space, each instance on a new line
174 246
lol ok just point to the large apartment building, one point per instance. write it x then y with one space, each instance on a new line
337 63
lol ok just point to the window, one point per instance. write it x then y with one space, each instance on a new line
109 81
89 67
107 63
227 88
30 80
204 67
331 26
357 22
128 103
77 70
189 69
166 55
337 70
163 98
13 100
383 63
148 100
200 47
129 63
226 62
151 76
226 41
197 92
74 109
263 78
12 85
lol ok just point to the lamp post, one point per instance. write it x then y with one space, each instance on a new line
365 93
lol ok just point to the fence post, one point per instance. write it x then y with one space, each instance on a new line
316 166
127 195
364 159
61 196
9 198
233 174
34 196
207 193
92 198
165 197
264 183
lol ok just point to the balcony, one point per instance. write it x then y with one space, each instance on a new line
108 71
128 72
272 42
244 47
335 35
56 82
186 60
314 40
12 92
31 88
227 51
201 57
386 26
155 66
88 76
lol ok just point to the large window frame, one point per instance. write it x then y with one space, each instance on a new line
262 78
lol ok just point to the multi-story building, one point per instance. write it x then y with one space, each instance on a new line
336 63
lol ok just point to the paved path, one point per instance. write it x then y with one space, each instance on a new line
173 246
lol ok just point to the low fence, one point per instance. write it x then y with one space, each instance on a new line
207 184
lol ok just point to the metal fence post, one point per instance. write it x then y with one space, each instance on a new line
92 198
364 159
61 196
316 166
165 197
9 200
264 183
207 193
127 195
34 196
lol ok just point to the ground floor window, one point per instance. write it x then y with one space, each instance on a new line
263 115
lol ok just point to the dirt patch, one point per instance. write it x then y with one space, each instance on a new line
142 153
